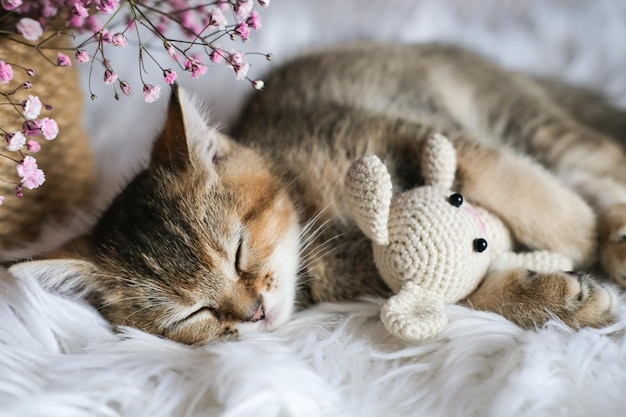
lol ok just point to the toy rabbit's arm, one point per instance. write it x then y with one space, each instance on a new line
414 313
539 261
501 242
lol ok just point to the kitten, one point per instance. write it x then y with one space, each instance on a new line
221 235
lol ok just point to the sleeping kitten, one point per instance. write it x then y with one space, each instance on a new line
221 235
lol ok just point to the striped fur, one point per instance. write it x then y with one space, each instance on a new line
219 235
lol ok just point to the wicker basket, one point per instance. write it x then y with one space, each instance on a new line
67 161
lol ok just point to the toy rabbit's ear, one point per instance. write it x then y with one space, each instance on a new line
438 161
368 191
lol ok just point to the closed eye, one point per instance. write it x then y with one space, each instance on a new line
201 310
238 255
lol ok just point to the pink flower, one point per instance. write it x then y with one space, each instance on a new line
29 28
125 88
6 72
119 39
243 30
186 19
237 63
16 141
77 22
109 76
107 6
32 177
151 93
169 48
49 9
82 56
241 70
92 24
170 76
216 18
32 107
27 166
254 21
217 55
31 128
243 8
63 60
161 27
1 200
196 67
106 36
10 5
199 71
49 128
33 146
80 10
236 58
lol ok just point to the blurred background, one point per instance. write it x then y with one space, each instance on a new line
580 41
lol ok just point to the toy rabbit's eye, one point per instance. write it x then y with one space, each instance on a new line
456 199
480 245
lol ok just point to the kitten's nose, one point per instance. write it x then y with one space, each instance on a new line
259 315
244 310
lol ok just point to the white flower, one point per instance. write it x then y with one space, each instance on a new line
151 93
29 28
49 128
32 107
16 141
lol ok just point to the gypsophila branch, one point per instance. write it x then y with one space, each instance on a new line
188 33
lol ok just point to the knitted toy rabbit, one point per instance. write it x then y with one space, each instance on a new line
430 246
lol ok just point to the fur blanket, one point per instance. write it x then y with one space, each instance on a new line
58 357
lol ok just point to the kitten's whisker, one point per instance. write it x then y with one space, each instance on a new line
309 224
139 310
306 241
321 247
319 253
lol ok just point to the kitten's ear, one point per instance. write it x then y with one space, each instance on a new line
63 276
186 136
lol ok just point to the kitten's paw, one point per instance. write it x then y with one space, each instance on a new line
612 242
575 298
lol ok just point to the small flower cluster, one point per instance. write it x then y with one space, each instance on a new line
187 30
201 24
21 144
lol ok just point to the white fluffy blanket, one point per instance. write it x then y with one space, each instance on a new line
59 358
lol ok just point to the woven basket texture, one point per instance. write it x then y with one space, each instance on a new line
67 161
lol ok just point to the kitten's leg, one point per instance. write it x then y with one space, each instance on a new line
606 194
538 209
530 299
588 107
608 197
512 109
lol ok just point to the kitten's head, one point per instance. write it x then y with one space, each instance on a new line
199 246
